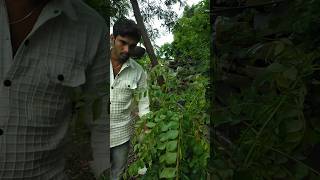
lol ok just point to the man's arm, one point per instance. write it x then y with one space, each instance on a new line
97 85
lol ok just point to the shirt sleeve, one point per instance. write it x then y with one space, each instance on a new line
97 79
143 101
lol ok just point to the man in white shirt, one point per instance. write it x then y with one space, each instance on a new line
128 84
47 48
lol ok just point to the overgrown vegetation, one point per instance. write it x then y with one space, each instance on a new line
265 118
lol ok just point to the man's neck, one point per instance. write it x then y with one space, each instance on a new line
114 60
19 8
22 15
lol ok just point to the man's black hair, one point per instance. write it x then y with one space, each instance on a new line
126 27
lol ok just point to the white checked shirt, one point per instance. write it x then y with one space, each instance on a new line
65 49
130 82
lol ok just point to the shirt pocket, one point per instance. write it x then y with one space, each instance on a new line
124 91
128 84
65 71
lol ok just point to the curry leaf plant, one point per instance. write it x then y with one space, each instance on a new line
171 141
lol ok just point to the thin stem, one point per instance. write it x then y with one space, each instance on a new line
178 149
263 127
292 158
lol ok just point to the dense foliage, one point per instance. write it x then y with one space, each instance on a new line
267 76
192 35
191 43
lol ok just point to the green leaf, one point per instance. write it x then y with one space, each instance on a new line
169 158
161 146
164 127
291 73
278 48
171 145
133 169
168 173
235 109
197 149
170 125
135 148
172 134
282 82
163 137
157 119
162 116
294 125
151 124
175 118
286 41
275 67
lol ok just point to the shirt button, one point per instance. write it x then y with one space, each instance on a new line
1 132
111 87
128 85
7 83
60 77
26 42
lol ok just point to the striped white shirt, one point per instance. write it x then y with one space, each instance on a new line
65 49
128 92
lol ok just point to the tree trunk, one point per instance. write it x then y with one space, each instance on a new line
146 40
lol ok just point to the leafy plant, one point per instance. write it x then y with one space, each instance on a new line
170 142
263 129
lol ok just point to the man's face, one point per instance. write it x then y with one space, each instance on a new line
122 47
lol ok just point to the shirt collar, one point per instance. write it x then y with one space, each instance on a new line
129 63
66 7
